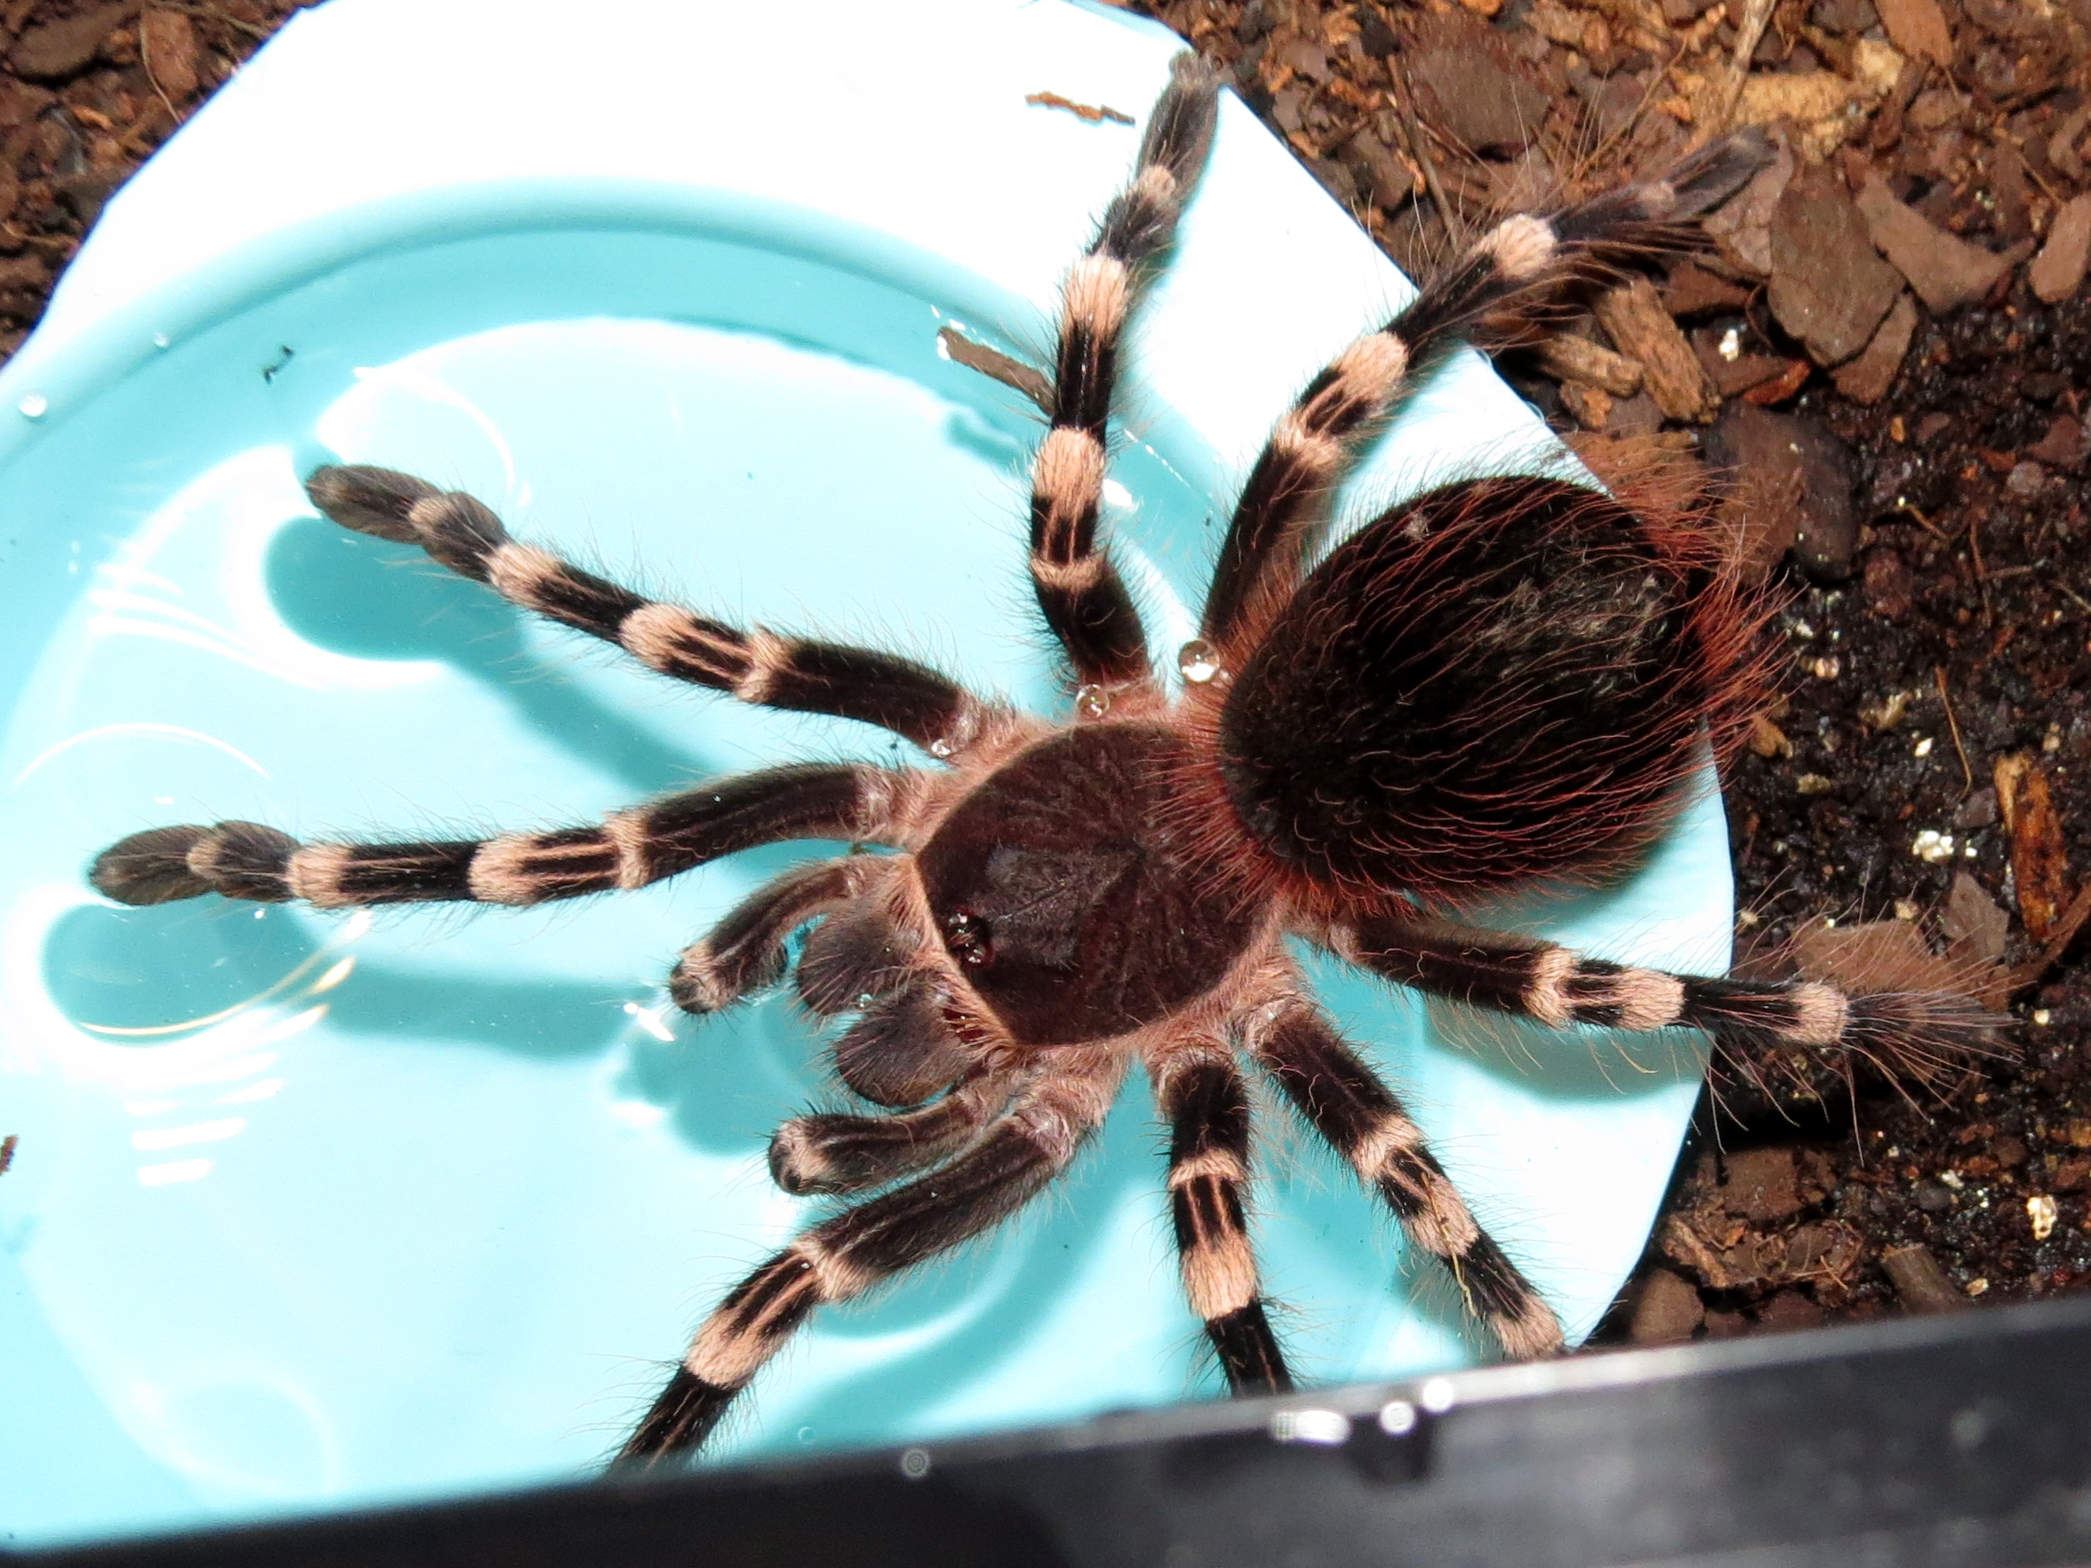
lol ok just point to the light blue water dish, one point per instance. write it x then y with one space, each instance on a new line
310 1211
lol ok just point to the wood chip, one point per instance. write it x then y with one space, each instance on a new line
1641 329
1667 1311
1573 358
1741 226
2039 858
1919 1280
1945 270
2059 268
1972 920
1828 287
1867 378
51 50
1013 373
167 46
1918 27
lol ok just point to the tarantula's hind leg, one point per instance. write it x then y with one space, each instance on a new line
1345 1102
1024 1149
1201 1094
629 849
756 667
1914 1036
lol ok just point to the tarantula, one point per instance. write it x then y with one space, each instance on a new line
1502 680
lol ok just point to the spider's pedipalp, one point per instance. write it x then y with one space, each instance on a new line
1283 504
901 1050
835 1153
1916 1036
1344 1101
745 951
630 849
1082 597
1201 1096
1043 1128
759 667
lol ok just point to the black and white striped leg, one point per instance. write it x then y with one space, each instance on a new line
1283 504
1083 599
1906 1034
627 850
1345 1102
1202 1096
745 951
843 1257
756 667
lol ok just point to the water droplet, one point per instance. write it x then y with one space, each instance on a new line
941 747
161 340
914 1463
1092 702
34 405
1198 662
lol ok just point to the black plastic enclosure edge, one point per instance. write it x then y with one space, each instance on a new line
1963 1440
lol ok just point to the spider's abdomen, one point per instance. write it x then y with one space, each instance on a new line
1502 679
1063 900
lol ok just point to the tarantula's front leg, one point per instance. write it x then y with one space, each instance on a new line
1347 1104
1084 600
1201 1093
1907 1034
758 667
1013 1161
627 850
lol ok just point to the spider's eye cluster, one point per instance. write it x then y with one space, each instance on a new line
970 938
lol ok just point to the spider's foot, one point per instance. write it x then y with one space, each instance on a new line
150 867
160 865
370 500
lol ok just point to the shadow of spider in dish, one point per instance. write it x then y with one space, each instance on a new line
1499 681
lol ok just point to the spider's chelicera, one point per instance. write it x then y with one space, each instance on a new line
1501 680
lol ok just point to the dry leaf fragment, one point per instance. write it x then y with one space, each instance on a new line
1918 27
2039 859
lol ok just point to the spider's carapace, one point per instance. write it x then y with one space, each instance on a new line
1500 680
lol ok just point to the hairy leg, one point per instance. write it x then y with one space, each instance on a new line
1013 1161
1907 1034
757 667
1084 601
627 850
1283 503
1344 1101
1201 1094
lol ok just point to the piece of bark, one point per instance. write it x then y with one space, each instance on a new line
1919 28
1693 291
1867 378
1381 176
1481 101
2063 446
2039 858
1828 287
1972 921
2059 268
1919 1281
1776 389
1762 1185
1641 329
51 50
1667 1312
1592 406
1012 373
1798 478
167 45
1945 270
1572 358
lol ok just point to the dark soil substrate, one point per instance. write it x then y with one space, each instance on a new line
1946 626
